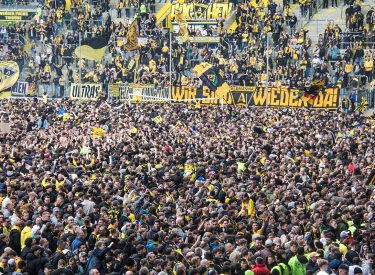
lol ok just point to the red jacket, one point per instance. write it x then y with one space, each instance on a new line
261 269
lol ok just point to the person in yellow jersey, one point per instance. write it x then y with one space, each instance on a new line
369 66
349 68
344 241
62 80
119 7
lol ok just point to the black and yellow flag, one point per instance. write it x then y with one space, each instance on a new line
92 48
371 178
9 74
212 79
157 119
363 106
183 25
311 93
131 42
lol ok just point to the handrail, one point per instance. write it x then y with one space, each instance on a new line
163 15
362 10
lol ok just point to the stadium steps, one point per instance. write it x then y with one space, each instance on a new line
320 20
232 26
230 23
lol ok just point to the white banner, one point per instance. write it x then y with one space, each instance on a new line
20 88
143 40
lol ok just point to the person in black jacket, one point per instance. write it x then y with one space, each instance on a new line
15 236
33 259
48 234
58 255
62 270
27 248
4 240
222 193
312 263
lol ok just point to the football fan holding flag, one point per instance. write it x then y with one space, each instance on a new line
310 94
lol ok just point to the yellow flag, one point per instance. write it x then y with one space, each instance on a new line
131 42
66 117
183 25
307 153
9 73
178 251
158 119
133 130
351 132
68 4
198 104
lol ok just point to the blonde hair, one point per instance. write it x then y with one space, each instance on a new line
322 262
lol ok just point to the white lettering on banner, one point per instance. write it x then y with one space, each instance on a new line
20 88
206 39
145 93
85 91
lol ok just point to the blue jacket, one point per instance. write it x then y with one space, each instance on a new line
97 261
76 243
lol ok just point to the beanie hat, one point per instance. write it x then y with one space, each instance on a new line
130 262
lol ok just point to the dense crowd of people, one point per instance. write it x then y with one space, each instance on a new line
98 187
93 188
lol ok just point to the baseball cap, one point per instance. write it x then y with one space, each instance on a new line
269 243
11 262
56 209
82 254
344 234
48 265
314 254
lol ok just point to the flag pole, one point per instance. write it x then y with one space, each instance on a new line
136 66
267 52
80 57
170 65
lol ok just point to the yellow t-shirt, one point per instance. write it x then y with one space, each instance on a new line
348 68
369 65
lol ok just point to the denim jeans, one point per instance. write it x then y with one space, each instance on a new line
307 72
46 88
292 28
56 90
244 45
359 60
62 91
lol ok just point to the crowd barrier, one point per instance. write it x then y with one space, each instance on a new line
245 96
238 95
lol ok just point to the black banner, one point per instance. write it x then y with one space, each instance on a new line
16 15
257 96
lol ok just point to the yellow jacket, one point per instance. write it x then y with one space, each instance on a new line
250 207
25 233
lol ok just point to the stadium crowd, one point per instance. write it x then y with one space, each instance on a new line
93 188
339 56
106 188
